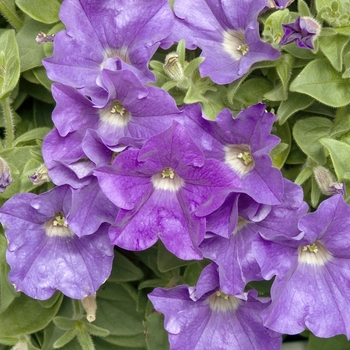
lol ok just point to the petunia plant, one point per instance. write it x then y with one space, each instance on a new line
174 174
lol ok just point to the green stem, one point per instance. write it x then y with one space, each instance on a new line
8 121
77 309
10 14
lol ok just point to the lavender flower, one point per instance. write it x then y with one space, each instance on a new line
109 34
229 35
311 289
44 253
206 318
304 31
235 256
165 190
244 143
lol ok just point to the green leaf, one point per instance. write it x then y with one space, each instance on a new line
294 103
64 323
303 9
84 338
135 341
32 135
96 331
321 81
315 193
45 11
17 159
307 133
284 69
277 94
181 51
253 90
303 175
339 151
156 336
7 292
214 104
280 153
193 65
65 338
116 311
51 301
25 316
124 270
9 62
193 272
338 342
168 261
333 47
30 52
8 10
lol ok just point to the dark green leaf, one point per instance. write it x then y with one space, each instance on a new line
168 261
293 104
338 342
26 315
65 338
156 336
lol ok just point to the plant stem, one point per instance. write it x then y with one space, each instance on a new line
8 121
10 15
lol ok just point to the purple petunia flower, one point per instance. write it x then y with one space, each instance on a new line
165 190
118 34
44 253
227 33
235 255
244 143
304 31
312 286
131 110
206 318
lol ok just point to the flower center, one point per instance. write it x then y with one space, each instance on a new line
234 43
239 158
58 226
122 53
220 301
314 254
241 222
167 180
115 114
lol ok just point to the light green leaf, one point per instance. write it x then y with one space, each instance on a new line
45 11
307 133
280 153
303 175
253 90
9 62
294 103
321 81
7 292
333 47
339 152
84 338
30 52
193 65
303 9
284 69
315 193
32 135
65 338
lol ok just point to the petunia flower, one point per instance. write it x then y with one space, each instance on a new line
311 288
235 255
114 34
165 190
226 32
244 143
304 31
203 317
43 252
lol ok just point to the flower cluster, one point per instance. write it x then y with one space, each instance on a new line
131 167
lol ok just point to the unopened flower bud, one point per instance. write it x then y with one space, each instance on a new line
327 182
90 307
5 175
172 67
42 38
20 346
40 176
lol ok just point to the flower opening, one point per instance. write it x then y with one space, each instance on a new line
239 158
58 226
234 43
122 53
220 301
167 180
314 254
115 114
240 224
